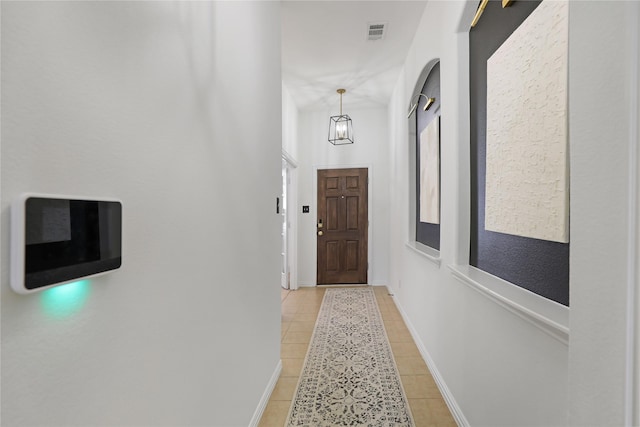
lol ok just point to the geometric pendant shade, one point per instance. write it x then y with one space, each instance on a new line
340 127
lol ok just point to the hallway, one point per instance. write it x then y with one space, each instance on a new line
183 112
299 311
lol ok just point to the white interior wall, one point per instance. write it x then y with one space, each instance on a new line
370 149
497 369
147 102
636 364
636 367
602 66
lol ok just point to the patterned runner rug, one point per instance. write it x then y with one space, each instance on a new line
349 376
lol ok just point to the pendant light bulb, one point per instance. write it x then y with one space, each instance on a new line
341 130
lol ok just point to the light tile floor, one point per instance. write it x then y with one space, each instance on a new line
299 312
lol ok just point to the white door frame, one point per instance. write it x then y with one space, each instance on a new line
291 245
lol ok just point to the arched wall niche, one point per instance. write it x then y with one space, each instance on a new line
425 236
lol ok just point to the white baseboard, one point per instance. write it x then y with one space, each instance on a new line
306 285
455 409
266 395
309 285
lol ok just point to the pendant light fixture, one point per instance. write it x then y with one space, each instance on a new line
340 127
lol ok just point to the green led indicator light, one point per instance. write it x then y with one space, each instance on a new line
65 300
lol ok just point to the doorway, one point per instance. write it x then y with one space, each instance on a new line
289 223
342 227
285 274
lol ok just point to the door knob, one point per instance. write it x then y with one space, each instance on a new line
320 233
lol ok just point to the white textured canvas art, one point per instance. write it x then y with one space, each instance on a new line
527 182
430 173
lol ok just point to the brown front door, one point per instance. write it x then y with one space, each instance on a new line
342 226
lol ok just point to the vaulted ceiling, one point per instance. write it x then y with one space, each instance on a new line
325 46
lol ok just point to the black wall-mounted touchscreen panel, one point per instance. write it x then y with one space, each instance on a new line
67 239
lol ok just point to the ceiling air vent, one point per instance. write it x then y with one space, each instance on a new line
376 31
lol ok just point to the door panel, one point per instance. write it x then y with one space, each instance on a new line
342 226
352 213
331 215
353 182
352 255
332 256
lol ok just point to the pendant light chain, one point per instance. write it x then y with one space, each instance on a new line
341 91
